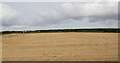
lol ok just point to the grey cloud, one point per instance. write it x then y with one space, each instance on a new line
95 12
8 16
103 18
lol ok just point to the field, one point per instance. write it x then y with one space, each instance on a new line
67 46
0 48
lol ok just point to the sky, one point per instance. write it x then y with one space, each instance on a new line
58 15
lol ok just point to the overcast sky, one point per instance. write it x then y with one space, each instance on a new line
31 15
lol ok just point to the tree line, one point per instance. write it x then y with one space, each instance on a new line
110 30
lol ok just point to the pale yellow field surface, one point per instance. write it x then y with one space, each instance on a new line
0 48
72 46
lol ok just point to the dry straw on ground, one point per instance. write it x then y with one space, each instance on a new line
60 47
0 48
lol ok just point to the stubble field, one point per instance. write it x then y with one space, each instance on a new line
0 48
69 46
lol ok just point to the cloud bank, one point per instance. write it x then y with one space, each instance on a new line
8 15
103 13
94 12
